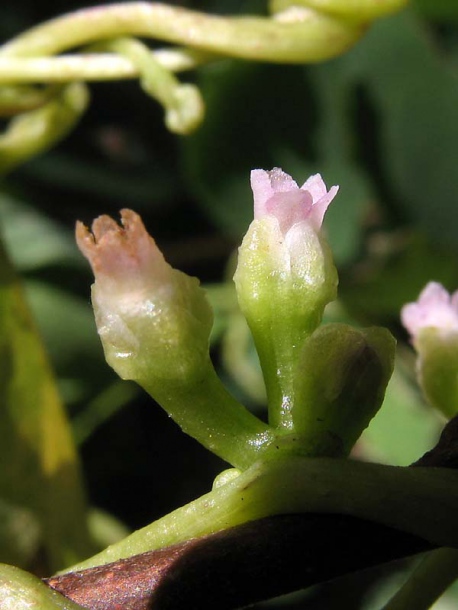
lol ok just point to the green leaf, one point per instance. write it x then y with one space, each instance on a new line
40 468
438 10
21 225
404 428
415 95
395 278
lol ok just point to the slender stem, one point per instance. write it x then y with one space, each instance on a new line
206 411
92 66
317 37
437 571
182 102
420 501
39 129
23 98
65 69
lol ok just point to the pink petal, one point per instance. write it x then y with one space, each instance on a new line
320 207
434 309
265 184
116 251
277 194
315 186
289 208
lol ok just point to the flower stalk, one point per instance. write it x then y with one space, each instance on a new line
155 323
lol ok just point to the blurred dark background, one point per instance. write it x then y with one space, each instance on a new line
380 121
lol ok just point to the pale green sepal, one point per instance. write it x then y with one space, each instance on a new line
437 368
157 333
342 377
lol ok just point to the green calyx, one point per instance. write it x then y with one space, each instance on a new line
437 369
159 335
283 285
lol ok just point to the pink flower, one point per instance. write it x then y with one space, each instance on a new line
285 276
123 258
277 194
435 308
154 321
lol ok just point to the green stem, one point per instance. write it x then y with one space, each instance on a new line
317 37
39 129
437 571
422 501
183 103
65 69
358 9
205 410
17 99
92 67
20 590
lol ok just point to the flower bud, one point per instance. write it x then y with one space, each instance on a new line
343 377
285 277
154 321
432 322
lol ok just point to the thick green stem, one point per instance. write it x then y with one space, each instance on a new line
20 590
437 571
319 36
421 501
205 410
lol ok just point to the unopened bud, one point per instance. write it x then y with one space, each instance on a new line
342 383
432 322
154 321
285 276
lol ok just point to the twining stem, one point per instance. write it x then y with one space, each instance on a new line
437 571
420 501
182 102
34 131
314 38
23 98
92 66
